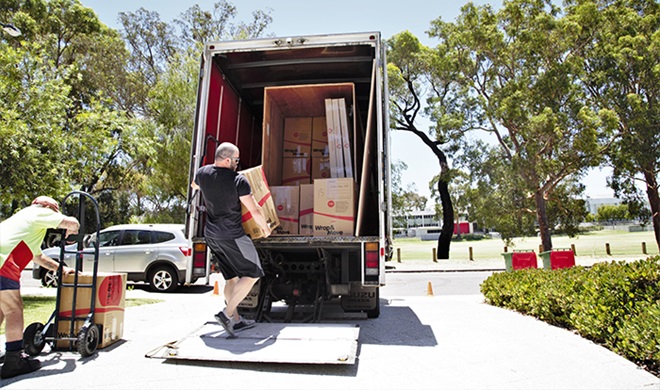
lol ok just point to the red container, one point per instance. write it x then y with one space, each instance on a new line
562 258
520 260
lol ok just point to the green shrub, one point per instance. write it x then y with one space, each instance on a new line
616 304
639 337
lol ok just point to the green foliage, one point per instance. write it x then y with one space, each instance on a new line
612 213
469 237
620 44
83 107
615 304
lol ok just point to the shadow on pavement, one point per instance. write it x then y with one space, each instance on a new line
194 289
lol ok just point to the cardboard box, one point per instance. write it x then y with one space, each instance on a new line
296 171
306 214
297 137
334 207
319 137
287 203
320 167
108 310
261 192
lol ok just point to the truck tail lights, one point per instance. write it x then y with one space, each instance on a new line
371 258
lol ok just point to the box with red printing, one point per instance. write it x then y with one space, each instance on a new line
287 203
261 192
296 171
108 310
306 219
334 207
297 137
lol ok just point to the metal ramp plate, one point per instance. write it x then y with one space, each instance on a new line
267 343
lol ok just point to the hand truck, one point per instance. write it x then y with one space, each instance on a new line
87 339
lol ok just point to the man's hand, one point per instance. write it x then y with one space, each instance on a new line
266 232
68 270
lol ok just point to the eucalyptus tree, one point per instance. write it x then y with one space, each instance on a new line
164 67
620 42
409 70
62 128
519 75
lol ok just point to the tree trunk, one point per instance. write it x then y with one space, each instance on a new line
444 241
542 219
654 201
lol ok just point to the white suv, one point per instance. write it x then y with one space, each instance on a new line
152 253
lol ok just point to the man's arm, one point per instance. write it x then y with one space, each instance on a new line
71 225
254 209
51 264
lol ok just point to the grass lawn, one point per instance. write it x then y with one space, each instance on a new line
592 244
39 308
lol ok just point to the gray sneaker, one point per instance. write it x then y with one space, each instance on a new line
244 324
226 322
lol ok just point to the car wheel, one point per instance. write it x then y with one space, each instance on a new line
49 278
163 279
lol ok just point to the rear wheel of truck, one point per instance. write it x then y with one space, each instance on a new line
375 312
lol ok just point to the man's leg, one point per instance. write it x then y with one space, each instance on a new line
240 290
16 362
229 288
11 306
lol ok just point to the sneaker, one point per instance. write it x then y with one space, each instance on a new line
244 324
17 363
225 321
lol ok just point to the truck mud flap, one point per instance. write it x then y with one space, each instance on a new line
267 343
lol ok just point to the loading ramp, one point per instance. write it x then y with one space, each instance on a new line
267 343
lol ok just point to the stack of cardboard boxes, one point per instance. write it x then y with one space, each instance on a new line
314 193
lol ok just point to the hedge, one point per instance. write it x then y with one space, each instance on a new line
615 304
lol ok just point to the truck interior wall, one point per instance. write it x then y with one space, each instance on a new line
216 84
228 120
248 138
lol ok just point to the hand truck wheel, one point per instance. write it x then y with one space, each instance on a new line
34 340
88 340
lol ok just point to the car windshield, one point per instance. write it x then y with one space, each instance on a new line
106 239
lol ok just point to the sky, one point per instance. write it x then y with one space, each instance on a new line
301 17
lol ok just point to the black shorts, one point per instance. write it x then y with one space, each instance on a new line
238 257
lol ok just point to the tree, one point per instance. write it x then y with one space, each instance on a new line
518 72
33 103
621 47
408 72
610 212
164 63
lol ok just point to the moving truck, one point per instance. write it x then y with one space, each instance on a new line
309 115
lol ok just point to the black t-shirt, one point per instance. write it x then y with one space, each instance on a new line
221 189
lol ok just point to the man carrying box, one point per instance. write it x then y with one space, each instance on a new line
223 191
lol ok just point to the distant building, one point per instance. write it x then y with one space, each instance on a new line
592 204
425 218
